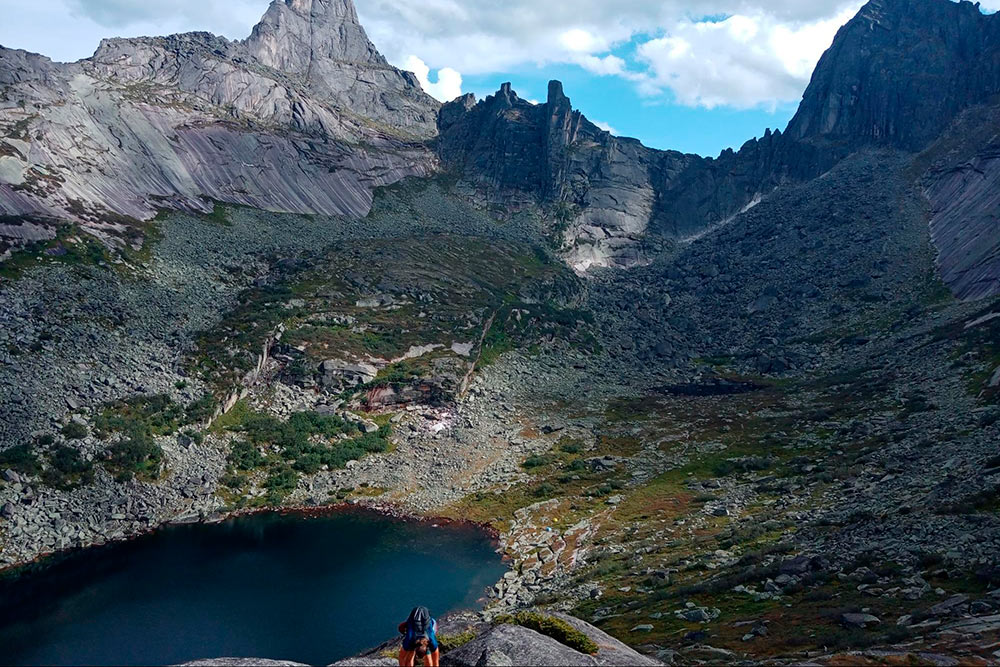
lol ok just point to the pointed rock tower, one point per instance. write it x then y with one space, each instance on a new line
321 44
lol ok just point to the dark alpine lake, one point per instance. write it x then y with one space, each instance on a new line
309 589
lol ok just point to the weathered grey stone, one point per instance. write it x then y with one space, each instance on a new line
858 620
159 115
241 662
365 661
521 646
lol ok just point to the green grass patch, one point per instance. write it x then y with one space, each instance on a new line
553 627
21 459
137 455
67 469
74 431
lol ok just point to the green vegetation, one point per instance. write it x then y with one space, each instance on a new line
139 420
74 431
304 443
21 459
69 247
451 642
135 456
279 483
245 456
553 627
148 415
67 469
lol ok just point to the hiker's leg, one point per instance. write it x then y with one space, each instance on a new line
406 658
433 658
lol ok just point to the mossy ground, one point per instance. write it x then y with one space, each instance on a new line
771 440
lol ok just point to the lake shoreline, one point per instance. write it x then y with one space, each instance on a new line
266 583
394 511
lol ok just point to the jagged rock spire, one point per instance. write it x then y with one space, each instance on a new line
295 34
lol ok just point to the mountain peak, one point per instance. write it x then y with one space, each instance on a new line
294 34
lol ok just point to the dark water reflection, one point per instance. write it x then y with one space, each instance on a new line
272 586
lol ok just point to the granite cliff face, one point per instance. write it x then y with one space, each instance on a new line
304 116
895 77
515 152
898 73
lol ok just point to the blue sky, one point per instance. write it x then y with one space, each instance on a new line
691 75
658 123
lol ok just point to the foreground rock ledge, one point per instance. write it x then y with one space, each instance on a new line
492 645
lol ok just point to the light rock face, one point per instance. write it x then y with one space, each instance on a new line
962 186
177 121
514 645
322 43
519 152
966 201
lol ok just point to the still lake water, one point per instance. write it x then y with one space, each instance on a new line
309 589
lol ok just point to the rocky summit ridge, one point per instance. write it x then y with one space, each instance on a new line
181 121
303 116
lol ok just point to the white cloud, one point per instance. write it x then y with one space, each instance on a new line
579 40
741 61
449 81
605 126
759 54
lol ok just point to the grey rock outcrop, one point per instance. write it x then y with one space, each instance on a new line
898 73
517 152
241 662
322 43
514 645
896 76
179 121
610 650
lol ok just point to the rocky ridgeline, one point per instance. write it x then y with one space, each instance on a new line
614 200
179 121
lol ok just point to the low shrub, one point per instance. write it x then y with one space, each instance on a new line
67 469
245 456
537 461
21 459
135 456
451 642
74 431
553 627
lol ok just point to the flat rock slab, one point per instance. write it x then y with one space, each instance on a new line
611 651
514 645
241 662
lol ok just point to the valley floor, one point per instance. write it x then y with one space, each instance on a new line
778 467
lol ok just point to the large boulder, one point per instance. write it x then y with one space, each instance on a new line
338 374
611 651
241 662
514 645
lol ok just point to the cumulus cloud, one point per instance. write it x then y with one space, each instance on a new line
448 85
740 61
738 53
605 126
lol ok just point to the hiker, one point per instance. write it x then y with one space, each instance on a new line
419 639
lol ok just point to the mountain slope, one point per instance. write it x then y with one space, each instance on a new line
179 121
895 76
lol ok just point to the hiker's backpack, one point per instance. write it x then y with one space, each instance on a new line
418 624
